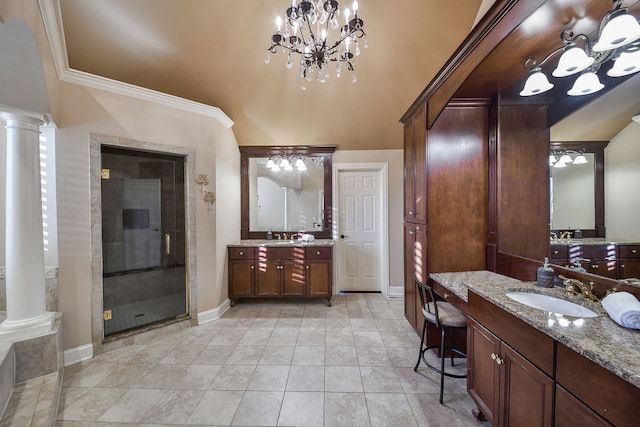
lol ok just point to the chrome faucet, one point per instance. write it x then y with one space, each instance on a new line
565 235
554 236
575 287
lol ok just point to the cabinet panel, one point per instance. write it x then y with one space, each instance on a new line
267 278
415 258
294 278
629 268
240 279
571 412
319 281
483 372
527 394
415 152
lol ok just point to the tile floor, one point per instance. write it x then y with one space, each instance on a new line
270 363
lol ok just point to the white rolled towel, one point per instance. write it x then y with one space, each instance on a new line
623 308
308 238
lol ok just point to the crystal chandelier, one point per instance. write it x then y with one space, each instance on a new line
306 32
618 40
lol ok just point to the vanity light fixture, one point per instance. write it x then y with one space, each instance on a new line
208 196
618 40
560 159
286 162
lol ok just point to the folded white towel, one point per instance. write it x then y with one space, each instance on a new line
623 308
307 238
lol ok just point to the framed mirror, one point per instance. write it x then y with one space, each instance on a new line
577 191
286 190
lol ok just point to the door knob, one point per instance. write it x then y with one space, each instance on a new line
342 236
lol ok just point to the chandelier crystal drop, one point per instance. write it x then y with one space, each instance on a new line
618 41
312 30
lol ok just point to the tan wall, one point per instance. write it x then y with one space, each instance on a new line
395 160
621 177
79 111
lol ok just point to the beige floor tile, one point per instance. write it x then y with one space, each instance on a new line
269 378
306 378
373 356
380 379
346 409
386 409
302 409
341 356
308 355
216 408
277 355
259 408
343 379
233 377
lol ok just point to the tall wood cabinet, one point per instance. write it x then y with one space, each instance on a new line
446 187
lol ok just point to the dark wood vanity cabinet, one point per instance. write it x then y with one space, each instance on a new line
628 261
415 161
509 389
415 258
280 272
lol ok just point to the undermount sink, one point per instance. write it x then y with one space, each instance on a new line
551 304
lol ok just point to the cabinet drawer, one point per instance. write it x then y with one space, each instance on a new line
241 253
270 253
558 252
629 251
318 252
593 251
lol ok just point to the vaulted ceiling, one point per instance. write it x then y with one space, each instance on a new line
213 51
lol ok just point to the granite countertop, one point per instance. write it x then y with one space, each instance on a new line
280 243
591 241
599 339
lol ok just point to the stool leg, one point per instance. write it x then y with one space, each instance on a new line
424 329
451 341
442 357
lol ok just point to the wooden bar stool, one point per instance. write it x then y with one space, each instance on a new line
445 317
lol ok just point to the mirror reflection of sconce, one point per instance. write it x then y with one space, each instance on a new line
208 196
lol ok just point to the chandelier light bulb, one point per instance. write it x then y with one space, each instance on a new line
355 6
347 13
580 160
270 163
552 159
586 84
627 63
560 164
279 23
572 61
619 31
565 158
536 83
300 164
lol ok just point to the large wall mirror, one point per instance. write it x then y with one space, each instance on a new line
286 190
577 189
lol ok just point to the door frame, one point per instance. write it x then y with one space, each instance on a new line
97 301
382 170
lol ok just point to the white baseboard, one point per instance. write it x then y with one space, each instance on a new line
396 291
215 313
78 354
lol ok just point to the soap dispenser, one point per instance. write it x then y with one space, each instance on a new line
545 275
269 235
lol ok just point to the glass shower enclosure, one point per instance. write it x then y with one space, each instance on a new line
143 238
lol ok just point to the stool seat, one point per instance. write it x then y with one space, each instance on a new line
448 314
445 317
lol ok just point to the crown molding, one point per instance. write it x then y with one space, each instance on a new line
52 18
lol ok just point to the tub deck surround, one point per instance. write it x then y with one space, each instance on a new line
248 243
598 339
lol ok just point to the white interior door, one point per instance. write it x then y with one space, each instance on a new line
360 232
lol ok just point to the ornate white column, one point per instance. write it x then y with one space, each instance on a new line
26 294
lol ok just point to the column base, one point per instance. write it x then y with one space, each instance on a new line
17 330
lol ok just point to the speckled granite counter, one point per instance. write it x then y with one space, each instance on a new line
280 243
599 339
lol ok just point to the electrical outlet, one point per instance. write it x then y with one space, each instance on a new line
104 173
107 314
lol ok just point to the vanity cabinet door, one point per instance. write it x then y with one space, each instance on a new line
293 276
629 262
483 373
268 278
571 412
240 279
508 389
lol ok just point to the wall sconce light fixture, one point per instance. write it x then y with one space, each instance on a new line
208 196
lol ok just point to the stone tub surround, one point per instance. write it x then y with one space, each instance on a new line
280 243
598 339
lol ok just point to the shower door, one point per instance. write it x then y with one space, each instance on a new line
143 238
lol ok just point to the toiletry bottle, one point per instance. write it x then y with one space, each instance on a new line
269 235
545 275
577 234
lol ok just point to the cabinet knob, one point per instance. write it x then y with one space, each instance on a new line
411 233
446 295
318 253
497 358
555 252
621 265
252 267
634 251
241 253
307 267
410 213
594 266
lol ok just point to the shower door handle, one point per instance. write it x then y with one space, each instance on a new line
167 244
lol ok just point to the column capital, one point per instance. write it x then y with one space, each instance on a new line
9 113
